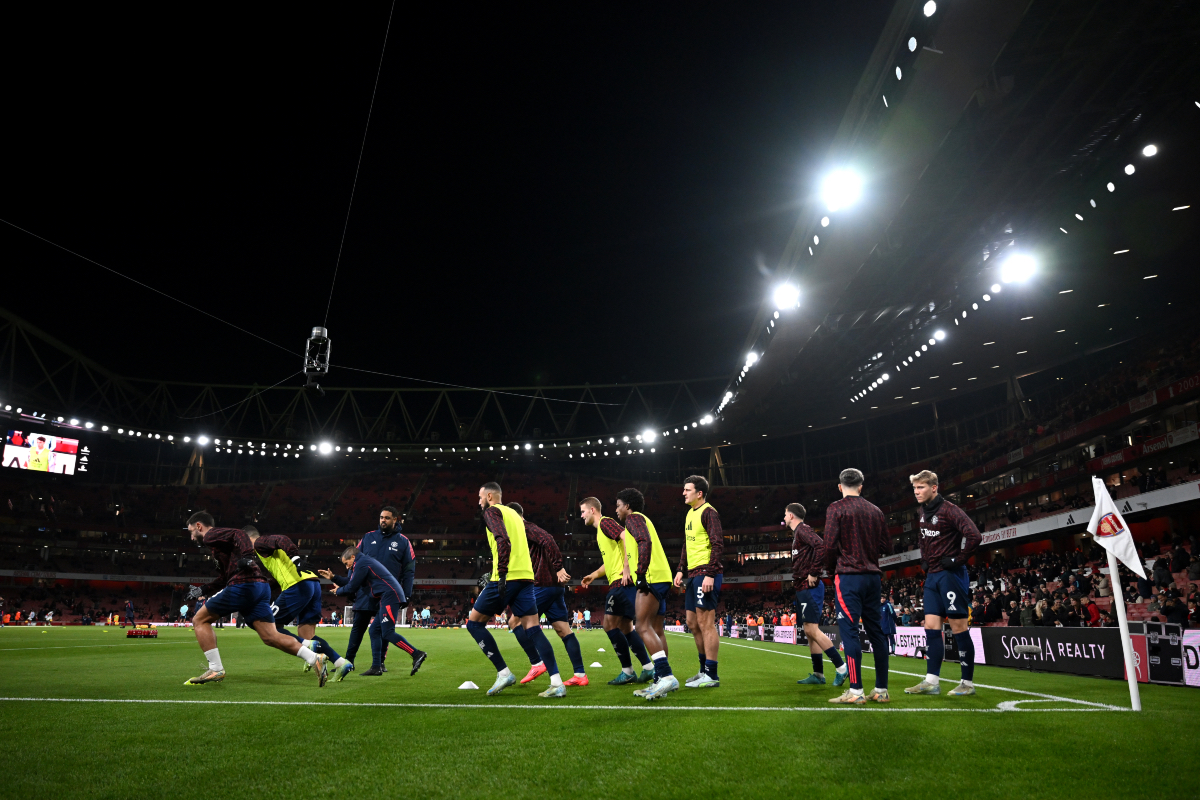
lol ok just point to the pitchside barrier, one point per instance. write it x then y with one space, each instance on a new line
1163 653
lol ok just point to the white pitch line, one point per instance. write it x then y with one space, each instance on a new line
548 707
1102 706
74 646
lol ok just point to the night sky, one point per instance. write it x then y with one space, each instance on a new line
570 195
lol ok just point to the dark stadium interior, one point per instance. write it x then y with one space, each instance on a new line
312 270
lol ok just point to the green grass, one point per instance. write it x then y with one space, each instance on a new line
599 741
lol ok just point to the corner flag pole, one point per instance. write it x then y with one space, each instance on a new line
1126 643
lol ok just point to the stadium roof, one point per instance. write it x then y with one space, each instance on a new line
1008 129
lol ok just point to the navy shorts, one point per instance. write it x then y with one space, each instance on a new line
299 603
552 601
660 591
519 598
251 602
809 603
694 596
620 602
948 594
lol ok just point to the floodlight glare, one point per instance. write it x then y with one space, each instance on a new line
912 44
841 188
786 296
930 8
996 288
1018 268
1149 150
650 436
1130 169
939 335
326 448
751 358
202 440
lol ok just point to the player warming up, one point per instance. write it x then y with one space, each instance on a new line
510 586
653 584
299 597
808 554
855 536
944 554
548 580
700 561
240 587
620 560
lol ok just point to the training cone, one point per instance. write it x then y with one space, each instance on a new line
468 685
597 664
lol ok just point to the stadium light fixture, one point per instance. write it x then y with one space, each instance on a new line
824 222
841 189
528 446
1130 169
1017 268
899 74
786 296
88 425
201 440
186 439
751 358
939 335
326 448
996 288
74 421
912 44
649 435
930 8
1149 150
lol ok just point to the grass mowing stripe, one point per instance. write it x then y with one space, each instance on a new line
544 707
74 646
1101 706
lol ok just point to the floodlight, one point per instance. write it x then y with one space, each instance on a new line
840 189
786 296
1149 150
325 448
1018 268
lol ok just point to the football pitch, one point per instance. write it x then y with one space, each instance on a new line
85 712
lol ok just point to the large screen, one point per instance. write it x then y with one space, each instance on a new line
41 452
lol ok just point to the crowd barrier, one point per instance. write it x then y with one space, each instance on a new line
1163 653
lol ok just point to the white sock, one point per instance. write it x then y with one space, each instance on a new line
856 692
341 662
556 680
538 664
309 644
648 667
657 656
214 660
931 678
843 669
968 683
627 670
580 674
308 655
504 673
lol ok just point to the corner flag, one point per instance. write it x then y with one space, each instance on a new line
1110 531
